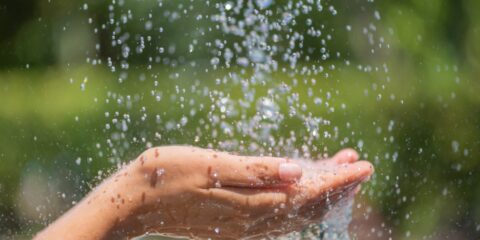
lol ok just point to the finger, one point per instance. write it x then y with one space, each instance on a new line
347 174
325 163
242 171
346 156
249 199
317 185
343 156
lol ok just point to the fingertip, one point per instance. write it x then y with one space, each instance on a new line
289 171
364 170
368 165
347 155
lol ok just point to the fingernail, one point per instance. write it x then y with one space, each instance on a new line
289 171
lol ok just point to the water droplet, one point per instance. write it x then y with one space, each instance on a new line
148 25
228 6
214 61
160 172
262 4
455 146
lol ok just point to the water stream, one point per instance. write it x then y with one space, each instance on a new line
235 76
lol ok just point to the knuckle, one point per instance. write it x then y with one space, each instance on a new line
150 158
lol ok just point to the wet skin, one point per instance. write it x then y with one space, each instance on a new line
201 193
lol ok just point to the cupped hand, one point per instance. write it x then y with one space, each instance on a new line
200 193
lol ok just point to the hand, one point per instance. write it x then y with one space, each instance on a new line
187 191
323 184
203 193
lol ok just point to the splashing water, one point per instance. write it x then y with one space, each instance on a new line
235 77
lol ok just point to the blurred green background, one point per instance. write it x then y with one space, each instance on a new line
419 123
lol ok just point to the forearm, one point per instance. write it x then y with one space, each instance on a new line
203 193
94 217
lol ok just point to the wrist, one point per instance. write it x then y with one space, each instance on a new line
95 217
121 196
89 219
